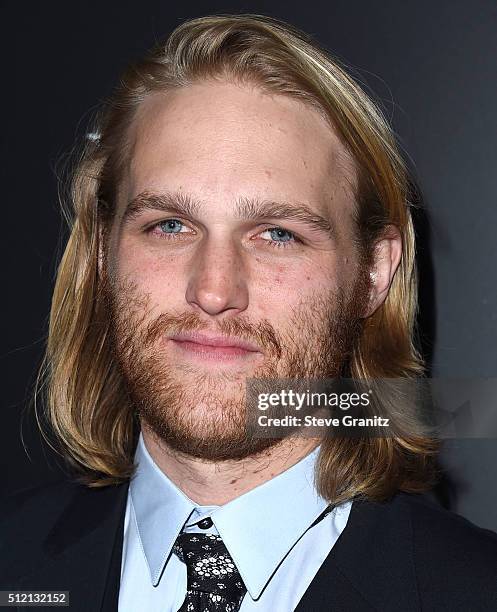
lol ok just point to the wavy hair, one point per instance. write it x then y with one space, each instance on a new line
85 402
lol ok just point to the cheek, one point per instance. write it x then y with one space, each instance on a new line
160 277
282 287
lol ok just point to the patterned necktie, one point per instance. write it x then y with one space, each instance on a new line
213 581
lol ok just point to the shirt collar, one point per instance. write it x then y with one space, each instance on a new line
160 508
278 511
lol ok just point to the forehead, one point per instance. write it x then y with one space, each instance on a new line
221 141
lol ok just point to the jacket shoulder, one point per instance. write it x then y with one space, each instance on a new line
27 516
40 501
452 556
444 530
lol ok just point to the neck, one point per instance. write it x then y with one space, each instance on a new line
211 483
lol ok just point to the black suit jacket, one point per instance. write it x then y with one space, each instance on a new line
402 555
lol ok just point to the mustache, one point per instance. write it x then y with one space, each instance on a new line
261 333
126 298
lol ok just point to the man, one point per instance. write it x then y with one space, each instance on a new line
241 211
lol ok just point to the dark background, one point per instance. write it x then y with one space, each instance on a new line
432 66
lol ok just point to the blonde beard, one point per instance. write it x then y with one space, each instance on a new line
207 417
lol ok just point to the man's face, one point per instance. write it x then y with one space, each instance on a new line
234 221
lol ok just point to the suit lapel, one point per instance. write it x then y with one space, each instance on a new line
82 553
371 566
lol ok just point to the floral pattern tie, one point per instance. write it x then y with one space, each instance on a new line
213 581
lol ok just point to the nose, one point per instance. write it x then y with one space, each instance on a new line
217 281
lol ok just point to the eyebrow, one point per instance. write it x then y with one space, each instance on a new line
185 205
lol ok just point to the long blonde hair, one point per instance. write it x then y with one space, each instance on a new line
86 405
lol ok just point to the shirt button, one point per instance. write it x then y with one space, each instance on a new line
205 523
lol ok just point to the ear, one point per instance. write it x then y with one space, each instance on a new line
386 259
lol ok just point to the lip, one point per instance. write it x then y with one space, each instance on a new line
215 342
214 347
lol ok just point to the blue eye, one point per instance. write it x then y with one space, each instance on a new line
170 226
280 238
280 235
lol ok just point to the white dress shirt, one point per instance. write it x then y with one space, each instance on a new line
267 532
